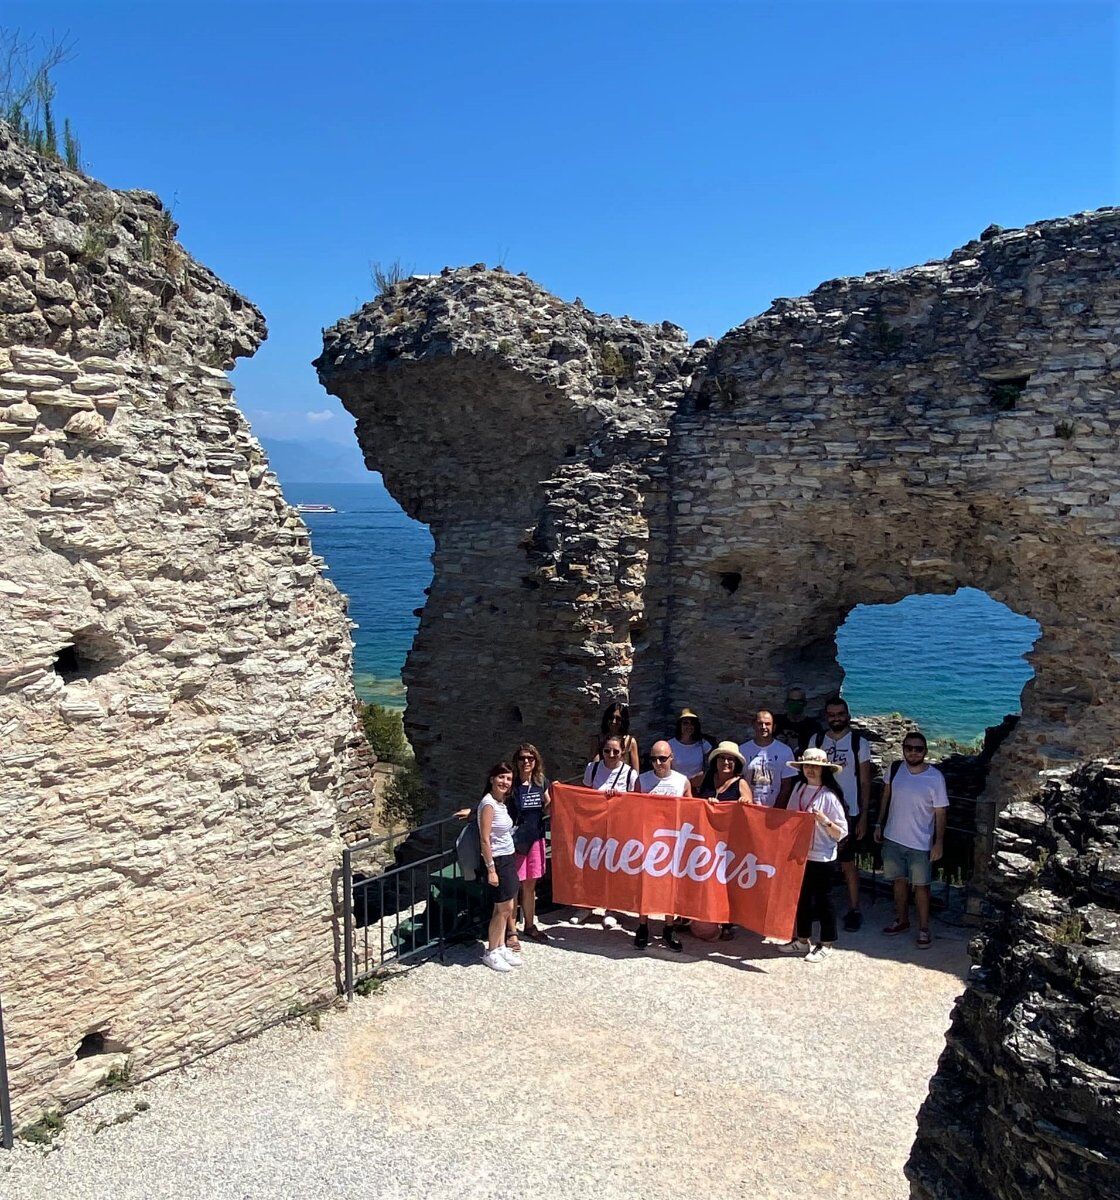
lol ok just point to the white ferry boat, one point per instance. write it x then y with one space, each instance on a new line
315 508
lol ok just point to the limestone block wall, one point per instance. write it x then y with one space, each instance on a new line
923 430
177 736
947 426
528 434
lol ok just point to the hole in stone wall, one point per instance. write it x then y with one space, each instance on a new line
1004 392
954 664
515 715
98 1043
90 654
730 580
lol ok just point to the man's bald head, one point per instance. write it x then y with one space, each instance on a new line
664 752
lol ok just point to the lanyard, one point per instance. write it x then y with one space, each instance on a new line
812 799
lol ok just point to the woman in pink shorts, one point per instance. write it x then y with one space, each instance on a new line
529 801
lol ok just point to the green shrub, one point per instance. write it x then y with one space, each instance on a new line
407 800
384 730
44 1130
612 362
27 94
119 1077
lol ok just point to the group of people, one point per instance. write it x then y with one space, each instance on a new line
790 762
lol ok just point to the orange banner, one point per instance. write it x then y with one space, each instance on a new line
741 863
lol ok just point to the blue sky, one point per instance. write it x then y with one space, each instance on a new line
688 161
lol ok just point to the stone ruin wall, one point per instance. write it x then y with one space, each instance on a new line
853 447
1025 1104
616 513
528 434
172 789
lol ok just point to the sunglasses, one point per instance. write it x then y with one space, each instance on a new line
913 749
611 753
526 758
661 758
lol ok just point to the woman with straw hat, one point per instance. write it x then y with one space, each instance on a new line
723 780
817 793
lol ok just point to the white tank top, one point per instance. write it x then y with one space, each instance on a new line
501 830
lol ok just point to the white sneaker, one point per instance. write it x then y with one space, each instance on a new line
794 947
818 953
610 922
496 960
511 956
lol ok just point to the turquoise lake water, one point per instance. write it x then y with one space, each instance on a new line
953 663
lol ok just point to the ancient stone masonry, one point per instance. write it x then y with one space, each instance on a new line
529 434
1026 1099
617 513
179 747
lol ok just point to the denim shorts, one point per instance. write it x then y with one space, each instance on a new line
902 862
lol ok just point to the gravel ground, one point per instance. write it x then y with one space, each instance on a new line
595 1069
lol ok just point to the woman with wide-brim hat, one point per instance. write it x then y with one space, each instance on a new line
817 793
723 781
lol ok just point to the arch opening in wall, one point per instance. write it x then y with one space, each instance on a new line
954 666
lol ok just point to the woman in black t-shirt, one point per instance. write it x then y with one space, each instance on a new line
529 803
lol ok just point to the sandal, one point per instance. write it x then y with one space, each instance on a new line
538 934
925 939
512 943
896 927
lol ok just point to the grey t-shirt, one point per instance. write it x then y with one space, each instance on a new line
501 830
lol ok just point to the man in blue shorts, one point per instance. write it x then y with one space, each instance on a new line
912 829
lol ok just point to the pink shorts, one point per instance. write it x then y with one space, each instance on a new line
531 865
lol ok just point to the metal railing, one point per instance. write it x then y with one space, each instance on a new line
416 907
7 1133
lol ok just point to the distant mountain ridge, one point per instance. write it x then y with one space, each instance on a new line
316 460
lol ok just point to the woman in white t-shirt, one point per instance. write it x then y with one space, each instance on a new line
690 747
495 835
817 793
608 773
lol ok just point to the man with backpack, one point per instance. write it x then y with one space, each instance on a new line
848 748
794 726
911 827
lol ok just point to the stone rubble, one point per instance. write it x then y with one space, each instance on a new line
1026 1099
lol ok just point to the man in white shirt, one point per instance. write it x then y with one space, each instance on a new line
849 749
661 781
912 829
766 763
